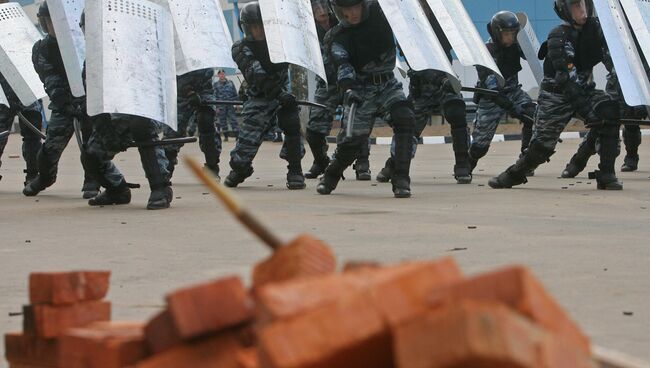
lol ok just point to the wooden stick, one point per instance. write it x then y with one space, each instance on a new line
234 206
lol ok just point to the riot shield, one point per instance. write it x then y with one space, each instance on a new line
201 36
627 62
416 37
530 45
65 18
638 15
3 98
130 60
291 34
18 38
463 36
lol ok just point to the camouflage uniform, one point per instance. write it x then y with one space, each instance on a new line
267 105
194 87
567 90
365 55
65 108
226 91
512 99
31 141
320 121
430 92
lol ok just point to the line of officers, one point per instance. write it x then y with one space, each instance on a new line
359 53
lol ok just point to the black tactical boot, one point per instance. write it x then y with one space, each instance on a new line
90 188
630 163
362 170
606 181
31 148
44 179
401 179
36 186
529 173
318 146
579 161
160 198
295 179
475 154
516 174
172 157
463 166
112 196
212 169
386 172
330 178
609 149
237 177
508 179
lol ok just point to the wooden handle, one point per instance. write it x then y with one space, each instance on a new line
234 206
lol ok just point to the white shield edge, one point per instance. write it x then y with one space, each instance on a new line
72 45
530 45
463 35
18 37
3 98
627 62
201 36
416 38
402 68
638 14
118 90
291 34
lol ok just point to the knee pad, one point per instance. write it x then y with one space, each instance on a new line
289 121
403 117
454 112
205 120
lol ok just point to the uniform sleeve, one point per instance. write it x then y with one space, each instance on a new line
56 85
250 67
557 49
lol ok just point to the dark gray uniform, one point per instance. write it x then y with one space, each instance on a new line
226 91
65 108
31 141
567 89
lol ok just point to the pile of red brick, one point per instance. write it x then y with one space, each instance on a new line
300 313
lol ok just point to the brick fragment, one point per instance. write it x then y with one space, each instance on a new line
49 322
161 334
289 298
519 289
480 335
305 256
210 307
59 288
21 349
103 345
247 358
349 333
218 351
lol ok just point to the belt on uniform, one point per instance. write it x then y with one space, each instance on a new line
379 78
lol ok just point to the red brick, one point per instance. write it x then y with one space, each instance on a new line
519 289
30 350
286 299
305 256
349 333
219 351
247 358
210 307
58 288
49 322
103 345
360 265
478 335
161 333
30 366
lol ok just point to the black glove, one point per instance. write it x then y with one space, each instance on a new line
194 99
270 88
503 102
287 100
351 96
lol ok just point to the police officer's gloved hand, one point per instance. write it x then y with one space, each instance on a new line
194 99
503 101
351 96
271 88
287 100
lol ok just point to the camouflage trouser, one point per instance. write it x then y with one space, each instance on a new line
31 141
259 117
59 131
227 115
209 140
112 135
490 114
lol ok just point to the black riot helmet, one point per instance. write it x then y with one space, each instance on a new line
503 21
44 17
563 9
249 16
339 8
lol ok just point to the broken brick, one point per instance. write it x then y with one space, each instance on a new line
21 349
59 288
305 256
218 351
209 307
49 322
161 333
520 290
103 345
247 358
349 333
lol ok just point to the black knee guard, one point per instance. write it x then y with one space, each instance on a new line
403 118
454 112
289 121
